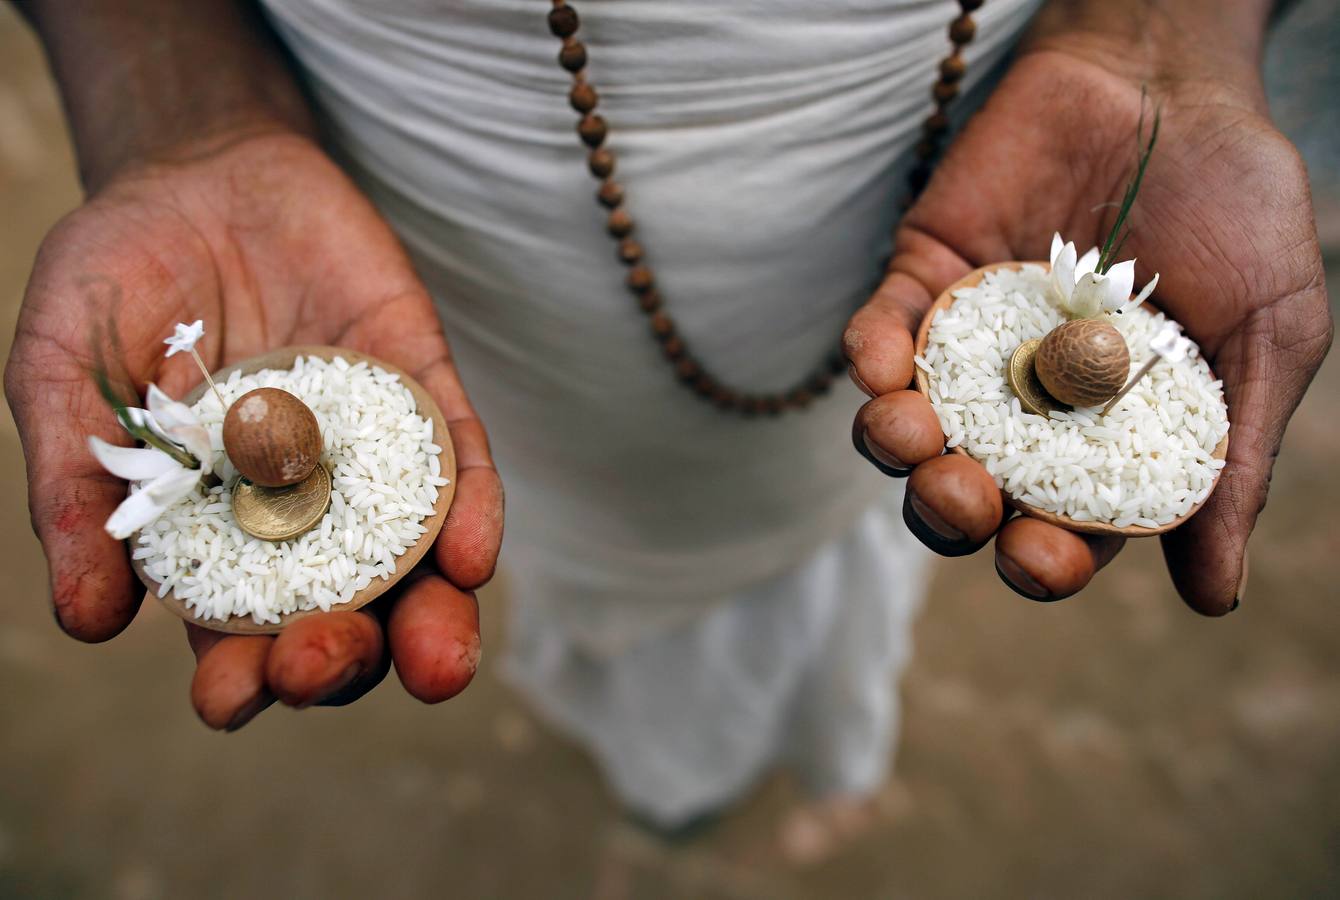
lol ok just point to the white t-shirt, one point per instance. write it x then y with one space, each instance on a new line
763 145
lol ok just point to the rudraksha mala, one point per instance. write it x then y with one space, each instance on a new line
594 130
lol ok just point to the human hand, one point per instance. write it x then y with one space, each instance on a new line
1224 216
266 240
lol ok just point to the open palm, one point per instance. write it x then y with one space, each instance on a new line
1224 216
267 242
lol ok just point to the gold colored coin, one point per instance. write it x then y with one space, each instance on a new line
1023 379
281 514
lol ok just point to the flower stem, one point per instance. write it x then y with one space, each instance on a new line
1115 239
204 371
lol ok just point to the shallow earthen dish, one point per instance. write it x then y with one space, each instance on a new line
1100 528
426 407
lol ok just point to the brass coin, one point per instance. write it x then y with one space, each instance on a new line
1023 379
281 514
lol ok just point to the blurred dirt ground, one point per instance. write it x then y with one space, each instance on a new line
1111 746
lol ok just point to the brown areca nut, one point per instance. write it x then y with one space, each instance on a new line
1084 362
272 437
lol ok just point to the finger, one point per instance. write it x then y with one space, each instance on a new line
94 593
229 687
434 637
898 431
408 334
322 656
952 505
467 550
1266 366
878 340
1041 561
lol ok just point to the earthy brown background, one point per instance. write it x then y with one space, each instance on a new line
1112 746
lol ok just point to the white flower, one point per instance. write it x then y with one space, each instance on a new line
158 480
1084 292
1169 344
185 337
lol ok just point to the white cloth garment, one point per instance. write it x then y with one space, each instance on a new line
656 545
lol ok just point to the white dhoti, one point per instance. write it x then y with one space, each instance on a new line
697 596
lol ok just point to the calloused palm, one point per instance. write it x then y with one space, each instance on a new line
1224 216
268 242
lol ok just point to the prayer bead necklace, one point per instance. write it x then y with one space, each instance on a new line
594 132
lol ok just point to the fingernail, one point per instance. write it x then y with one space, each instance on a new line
1242 581
856 380
1019 580
250 711
346 678
883 456
936 525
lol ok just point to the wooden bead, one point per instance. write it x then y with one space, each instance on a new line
800 398
601 163
687 369
563 21
573 55
673 347
953 68
752 405
630 251
610 193
704 386
772 404
619 223
272 437
661 326
640 278
592 129
583 97
970 5
650 301
724 397
961 31
944 91
937 123
837 364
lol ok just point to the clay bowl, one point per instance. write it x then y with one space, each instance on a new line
427 407
1099 528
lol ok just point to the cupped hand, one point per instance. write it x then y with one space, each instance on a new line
1224 216
271 245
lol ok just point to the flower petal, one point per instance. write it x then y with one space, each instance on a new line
184 337
1087 263
167 411
1063 274
136 511
1057 244
131 463
151 501
1087 301
1121 280
168 488
1142 296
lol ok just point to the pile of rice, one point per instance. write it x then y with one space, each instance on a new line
1145 463
385 478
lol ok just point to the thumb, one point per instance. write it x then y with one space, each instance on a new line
1266 365
93 590
878 341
